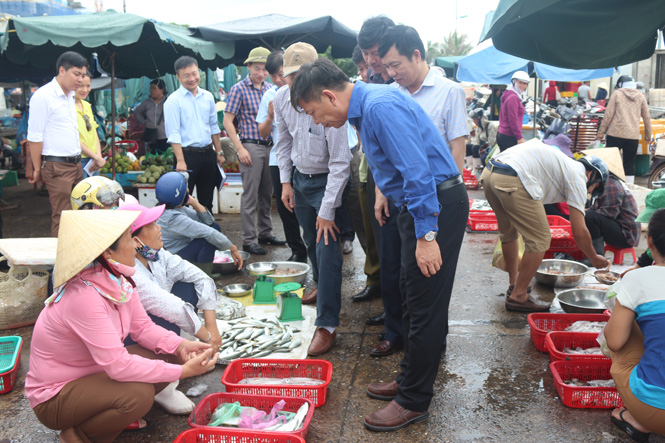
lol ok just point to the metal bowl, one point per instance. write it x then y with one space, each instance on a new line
229 267
573 273
237 290
299 277
261 268
598 274
582 301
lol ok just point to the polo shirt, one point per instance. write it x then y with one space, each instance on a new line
189 120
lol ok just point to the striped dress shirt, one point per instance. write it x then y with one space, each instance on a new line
244 100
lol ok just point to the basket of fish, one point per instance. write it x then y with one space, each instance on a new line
293 378
586 384
303 409
542 323
564 345
215 435
250 337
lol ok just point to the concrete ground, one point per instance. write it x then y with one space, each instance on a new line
493 385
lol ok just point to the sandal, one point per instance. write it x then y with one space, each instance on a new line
509 291
137 425
629 429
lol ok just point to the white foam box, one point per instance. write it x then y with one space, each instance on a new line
147 197
229 198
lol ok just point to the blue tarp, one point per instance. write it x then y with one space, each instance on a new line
495 67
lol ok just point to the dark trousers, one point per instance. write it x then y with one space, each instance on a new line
390 260
347 231
205 174
326 259
426 300
505 141
159 147
628 149
289 219
199 250
601 226
372 268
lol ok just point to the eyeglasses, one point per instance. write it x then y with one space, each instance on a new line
88 126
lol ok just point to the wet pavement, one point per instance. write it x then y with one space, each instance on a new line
493 385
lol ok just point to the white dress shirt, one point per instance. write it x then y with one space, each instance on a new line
190 121
52 121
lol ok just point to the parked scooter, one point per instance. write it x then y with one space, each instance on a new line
657 168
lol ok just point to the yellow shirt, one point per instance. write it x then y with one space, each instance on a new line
88 138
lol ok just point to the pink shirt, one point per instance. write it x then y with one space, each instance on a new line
511 115
83 333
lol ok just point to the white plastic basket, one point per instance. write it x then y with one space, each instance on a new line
23 290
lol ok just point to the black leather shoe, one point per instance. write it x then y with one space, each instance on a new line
299 257
254 248
272 240
382 336
376 320
367 294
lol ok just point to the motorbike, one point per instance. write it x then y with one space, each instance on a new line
657 169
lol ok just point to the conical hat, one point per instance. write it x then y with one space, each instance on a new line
611 157
84 235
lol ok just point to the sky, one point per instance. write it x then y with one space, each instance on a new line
433 22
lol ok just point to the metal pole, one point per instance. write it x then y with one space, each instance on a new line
535 105
113 114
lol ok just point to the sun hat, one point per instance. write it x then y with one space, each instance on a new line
148 215
561 141
297 55
257 55
84 235
612 158
654 201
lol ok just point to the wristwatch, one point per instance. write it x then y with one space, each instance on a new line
220 153
430 236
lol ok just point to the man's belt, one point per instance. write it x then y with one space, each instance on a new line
197 150
447 184
59 159
256 142
501 168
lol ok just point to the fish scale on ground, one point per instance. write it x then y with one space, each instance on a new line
256 338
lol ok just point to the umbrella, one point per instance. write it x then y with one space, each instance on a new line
127 45
278 31
448 64
576 33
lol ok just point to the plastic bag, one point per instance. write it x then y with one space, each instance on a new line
596 144
255 419
226 414
497 257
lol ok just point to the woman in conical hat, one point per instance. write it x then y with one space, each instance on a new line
82 380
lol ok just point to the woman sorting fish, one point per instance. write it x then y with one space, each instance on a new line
635 334
82 380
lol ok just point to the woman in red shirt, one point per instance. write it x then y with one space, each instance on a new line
550 95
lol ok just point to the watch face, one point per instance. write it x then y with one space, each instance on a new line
430 236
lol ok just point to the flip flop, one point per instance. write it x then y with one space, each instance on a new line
629 429
137 425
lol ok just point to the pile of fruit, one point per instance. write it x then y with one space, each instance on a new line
231 167
155 167
122 165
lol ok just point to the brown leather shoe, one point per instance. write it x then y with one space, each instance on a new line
384 348
321 342
530 305
382 391
393 417
309 298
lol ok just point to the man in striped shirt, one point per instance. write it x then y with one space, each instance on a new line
243 103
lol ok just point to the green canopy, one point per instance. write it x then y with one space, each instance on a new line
576 34
448 64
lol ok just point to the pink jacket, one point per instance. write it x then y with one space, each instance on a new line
511 115
83 333
622 116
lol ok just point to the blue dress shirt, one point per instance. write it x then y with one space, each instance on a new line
190 121
405 151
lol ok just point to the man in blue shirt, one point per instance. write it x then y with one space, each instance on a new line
412 165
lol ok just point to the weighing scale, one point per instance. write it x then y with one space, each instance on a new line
289 305
263 286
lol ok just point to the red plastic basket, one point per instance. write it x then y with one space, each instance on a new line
484 221
541 324
556 341
562 234
10 351
200 417
214 435
582 396
258 367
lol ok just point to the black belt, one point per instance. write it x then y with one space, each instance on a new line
312 175
501 168
56 158
447 184
196 150
256 142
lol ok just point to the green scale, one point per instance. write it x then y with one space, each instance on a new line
289 305
263 286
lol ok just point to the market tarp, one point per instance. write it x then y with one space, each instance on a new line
139 45
275 31
448 64
495 67
576 34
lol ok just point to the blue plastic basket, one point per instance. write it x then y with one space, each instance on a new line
10 360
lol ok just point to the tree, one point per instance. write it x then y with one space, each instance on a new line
455 44
345 64
434 50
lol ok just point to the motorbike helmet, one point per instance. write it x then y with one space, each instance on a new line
171 189
96 192
599 173
521 76
477 113
624 79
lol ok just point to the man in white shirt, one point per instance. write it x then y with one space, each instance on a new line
584 93
53 134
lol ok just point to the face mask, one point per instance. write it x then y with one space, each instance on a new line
147 252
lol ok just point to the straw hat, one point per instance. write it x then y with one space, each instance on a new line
84 235
611 157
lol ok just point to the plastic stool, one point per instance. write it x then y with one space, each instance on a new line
618 253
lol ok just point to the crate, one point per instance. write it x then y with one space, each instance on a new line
276 368
233 177
482 221
582 396
10 179
10 360
229 197
556 341
542 323
471 183
229 435
562 234
203 411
